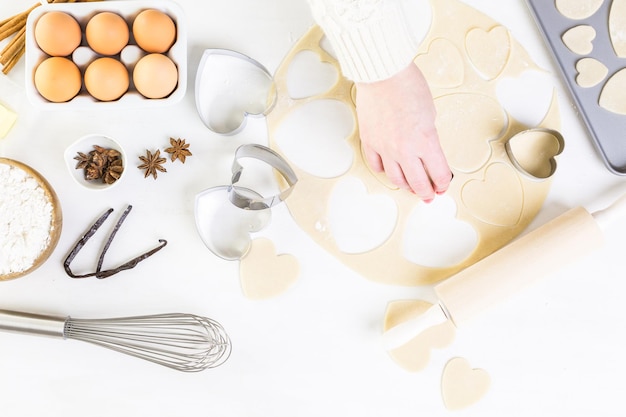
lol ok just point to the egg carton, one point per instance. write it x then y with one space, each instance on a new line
83 55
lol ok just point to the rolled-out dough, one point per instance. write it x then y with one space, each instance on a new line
463 72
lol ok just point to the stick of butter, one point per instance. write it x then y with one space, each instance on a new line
7 120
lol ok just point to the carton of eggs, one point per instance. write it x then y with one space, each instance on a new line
117 54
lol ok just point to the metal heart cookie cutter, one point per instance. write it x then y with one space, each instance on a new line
227 215
230 88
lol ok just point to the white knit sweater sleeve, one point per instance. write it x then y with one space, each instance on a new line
371 38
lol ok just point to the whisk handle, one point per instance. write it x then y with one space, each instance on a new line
36 324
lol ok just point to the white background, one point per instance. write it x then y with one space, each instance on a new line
555 350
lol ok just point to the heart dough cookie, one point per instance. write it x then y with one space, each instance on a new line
500 179
617 25
462 386
578 9
443 64
591 72
613 96
264 274
489 51
579 39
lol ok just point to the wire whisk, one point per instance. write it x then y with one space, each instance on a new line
184 342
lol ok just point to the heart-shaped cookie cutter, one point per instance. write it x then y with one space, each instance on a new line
226 215
551 134
231 87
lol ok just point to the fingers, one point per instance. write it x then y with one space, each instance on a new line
424 177
373 159
418 180
440 175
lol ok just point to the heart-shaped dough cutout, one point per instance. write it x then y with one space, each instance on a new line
498 199
591 72
531 87
489 51
415 354
360 221
476 118
462 385
578 9
435 238
617 27
613 96
264 274
314 137
308 76
442 65
579 39
229 88
534 151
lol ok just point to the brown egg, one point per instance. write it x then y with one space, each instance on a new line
107 33
57 79
155 76
106 79
57 33
154 31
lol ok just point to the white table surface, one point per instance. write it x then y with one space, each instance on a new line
554 350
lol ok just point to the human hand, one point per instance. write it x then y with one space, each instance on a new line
396 120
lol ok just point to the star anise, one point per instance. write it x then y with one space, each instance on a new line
152 163
83 160
100 163
113 172
178 150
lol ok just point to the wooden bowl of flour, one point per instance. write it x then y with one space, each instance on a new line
31 219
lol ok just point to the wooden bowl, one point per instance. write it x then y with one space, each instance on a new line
56 221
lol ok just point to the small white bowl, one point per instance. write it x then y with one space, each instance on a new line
86 145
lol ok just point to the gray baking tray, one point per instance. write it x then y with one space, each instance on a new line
607 129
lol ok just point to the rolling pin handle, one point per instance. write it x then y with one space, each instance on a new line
608 215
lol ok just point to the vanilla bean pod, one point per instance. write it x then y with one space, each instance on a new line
90 232
132 263
81 242
111 236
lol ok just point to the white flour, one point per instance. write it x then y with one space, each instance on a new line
25 220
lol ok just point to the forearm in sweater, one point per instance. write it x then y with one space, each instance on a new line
371 38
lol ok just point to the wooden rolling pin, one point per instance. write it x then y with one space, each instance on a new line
511 269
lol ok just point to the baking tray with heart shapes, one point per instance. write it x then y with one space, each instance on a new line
584 38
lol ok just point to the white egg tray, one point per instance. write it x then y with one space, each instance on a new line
83 55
